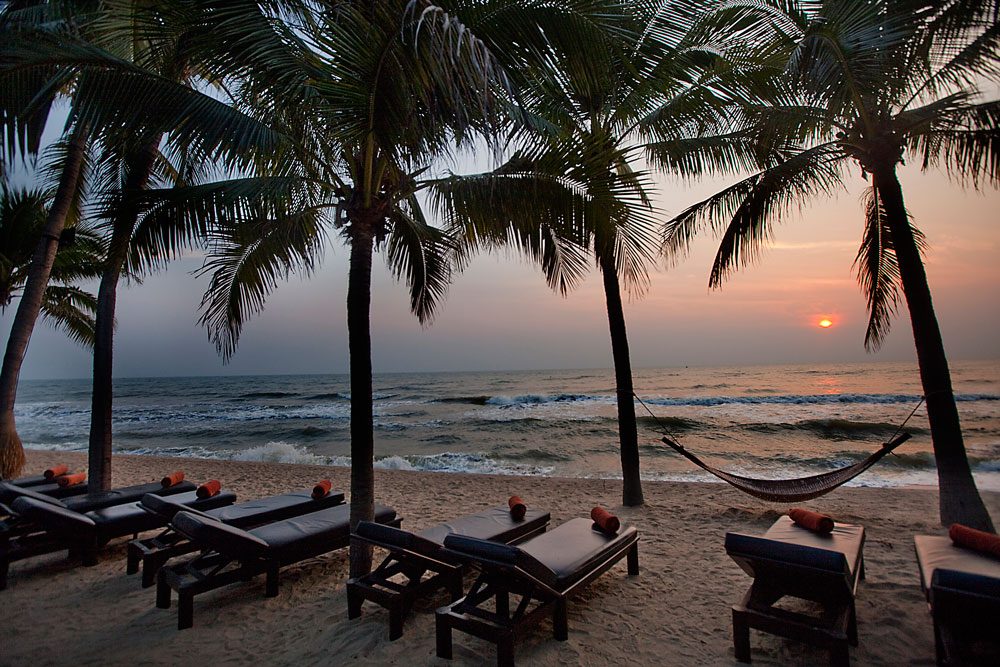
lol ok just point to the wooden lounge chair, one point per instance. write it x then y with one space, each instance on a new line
85 533
544 571
230 554
790 560
22 537
414 555
963 593
154 552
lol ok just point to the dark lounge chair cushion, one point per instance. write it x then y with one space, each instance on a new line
495 523
940 553
9 493
286 541
126 494
838 552
307 535
976 585
251 512
557 558
107 522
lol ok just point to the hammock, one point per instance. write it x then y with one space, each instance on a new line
794 490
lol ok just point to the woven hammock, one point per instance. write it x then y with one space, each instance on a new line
801 488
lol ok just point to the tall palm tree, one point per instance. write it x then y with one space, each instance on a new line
133 70
25 100
376 94
608 86
869 82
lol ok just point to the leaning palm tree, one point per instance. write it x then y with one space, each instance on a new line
869 82
374 96
134 71
607 85
25 100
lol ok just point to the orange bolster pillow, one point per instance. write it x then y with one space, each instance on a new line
605 520
70 480
171 479
209 489
55 471
977 540
517 508
321 489
814 521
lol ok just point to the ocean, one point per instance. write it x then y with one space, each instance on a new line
761 421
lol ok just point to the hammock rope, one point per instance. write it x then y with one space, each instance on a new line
797 489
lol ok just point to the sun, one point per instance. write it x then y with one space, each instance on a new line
826 324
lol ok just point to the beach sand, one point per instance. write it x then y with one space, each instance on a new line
677 611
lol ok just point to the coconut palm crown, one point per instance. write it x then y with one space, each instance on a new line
604 91
869 83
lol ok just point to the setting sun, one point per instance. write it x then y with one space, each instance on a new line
825 323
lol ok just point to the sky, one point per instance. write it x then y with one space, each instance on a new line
500 314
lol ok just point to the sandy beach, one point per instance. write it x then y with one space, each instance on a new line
677 611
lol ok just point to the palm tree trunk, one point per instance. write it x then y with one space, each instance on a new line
627 430
141 167
958 496
11 451
359 292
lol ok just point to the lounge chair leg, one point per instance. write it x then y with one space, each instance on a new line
455 586
271 589
443 635
4 568
941 656
560 625
633 559
505 650
132 559
185 610
355 600
395 622
741 636
839 657
162 592
852 626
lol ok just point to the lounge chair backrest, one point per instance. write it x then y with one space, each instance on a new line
168 506
52 515
206 531
10 492
504 555
401 539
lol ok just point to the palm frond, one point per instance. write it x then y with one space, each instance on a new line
245 262
72 310
419 254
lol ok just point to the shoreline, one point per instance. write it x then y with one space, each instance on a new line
677 611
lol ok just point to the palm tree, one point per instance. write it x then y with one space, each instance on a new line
23 213
870 81
370 106
606 86
24 105
132 92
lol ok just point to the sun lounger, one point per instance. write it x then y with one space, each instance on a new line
88 502
154 552
85 533
413 555
230 554
545 571
963 592
792 561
